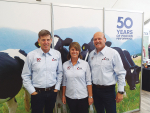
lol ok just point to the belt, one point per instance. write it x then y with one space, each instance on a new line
45 89
102 86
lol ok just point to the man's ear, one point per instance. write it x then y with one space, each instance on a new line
51 39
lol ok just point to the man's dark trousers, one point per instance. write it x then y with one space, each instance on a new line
104 99
44 99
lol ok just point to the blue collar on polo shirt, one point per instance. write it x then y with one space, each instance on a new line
103 51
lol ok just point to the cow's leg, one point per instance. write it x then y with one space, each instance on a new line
27 97
12 105
138 69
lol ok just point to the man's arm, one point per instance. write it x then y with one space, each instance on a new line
59 74
26 76
121 73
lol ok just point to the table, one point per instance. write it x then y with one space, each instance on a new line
146 79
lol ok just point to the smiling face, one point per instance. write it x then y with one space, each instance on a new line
99 41
45 42
74 53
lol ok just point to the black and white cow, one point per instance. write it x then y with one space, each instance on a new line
132 75
129 69
11 65
86 49
137 69
134 56
59 45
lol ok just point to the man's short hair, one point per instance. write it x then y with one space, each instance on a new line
44 32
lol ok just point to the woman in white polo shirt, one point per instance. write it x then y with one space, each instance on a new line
77 87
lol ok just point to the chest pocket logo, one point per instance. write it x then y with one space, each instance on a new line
107 59
38 59
68 68
54 59
79 68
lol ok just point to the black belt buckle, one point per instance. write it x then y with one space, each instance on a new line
47 89
100 86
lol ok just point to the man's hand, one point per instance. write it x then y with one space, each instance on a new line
34 93
119 97
90 100
64 99
55 90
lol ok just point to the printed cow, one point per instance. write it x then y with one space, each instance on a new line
137 69
132 75
11 65
129 69
86 49
59 45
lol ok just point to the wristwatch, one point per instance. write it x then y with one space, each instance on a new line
90 97
121 92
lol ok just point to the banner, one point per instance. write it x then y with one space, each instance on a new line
146 46
124 30
19 27
76 24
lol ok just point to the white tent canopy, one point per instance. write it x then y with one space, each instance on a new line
131 5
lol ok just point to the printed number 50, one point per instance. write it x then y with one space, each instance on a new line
124 23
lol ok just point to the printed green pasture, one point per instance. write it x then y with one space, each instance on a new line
20 101
130 102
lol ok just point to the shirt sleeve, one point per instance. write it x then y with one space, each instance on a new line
88 75
26 76
59 72
120 71
64 78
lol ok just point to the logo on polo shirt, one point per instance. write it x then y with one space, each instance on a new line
79 68
105 58
92 58
54 59
38 59
68 68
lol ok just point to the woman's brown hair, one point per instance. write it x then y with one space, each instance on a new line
76 45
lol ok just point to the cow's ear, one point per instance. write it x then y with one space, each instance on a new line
108 43
85 47
67 41
37 44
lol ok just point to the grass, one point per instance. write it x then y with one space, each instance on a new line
20 101
130 102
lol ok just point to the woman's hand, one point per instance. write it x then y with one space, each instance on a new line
64 99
